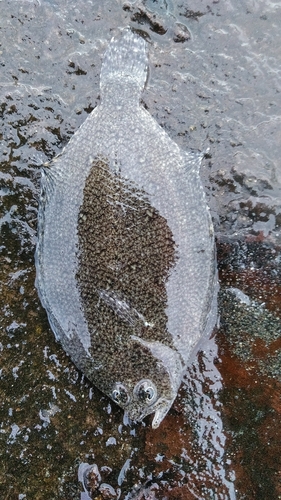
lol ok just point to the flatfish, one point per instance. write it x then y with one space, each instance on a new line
125 256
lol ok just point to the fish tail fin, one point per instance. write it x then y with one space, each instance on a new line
125 60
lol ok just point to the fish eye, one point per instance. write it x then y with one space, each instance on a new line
146 392
120 394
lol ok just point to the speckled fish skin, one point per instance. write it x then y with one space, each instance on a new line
125 257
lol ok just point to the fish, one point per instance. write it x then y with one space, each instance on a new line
125 259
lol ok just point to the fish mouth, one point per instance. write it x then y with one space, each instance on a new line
134 416
160 410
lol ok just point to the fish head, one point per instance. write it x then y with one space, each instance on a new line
142 396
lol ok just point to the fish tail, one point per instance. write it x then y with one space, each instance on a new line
125 60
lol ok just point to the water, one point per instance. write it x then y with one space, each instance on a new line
217 89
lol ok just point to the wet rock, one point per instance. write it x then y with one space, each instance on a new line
181 33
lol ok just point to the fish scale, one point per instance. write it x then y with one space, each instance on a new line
125 257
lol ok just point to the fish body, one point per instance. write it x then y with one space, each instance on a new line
125 257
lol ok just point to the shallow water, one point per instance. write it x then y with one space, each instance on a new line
214 83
